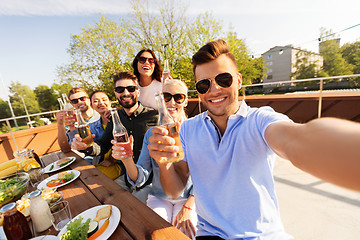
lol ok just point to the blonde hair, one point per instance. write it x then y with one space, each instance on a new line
183 85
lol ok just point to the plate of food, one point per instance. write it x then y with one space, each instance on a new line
59 164
59 180
51 196
98 223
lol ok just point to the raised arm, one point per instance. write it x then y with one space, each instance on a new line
173 176
327 148
62 139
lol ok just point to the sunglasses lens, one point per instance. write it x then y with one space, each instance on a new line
167 97
142 60
131 88
179 98
119 89
74 101
82 99
203 86
224 80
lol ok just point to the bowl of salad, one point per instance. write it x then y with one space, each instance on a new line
12 187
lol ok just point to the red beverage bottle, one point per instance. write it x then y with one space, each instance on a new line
15 224
120 133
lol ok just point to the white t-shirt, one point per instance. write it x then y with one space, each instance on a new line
147 94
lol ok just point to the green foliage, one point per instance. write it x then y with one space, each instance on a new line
351 53
97 53
46 98
4 109
250 69
23 96
334 63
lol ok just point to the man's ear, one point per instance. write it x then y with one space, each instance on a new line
239 78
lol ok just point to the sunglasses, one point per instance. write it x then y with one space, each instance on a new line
128 88
143 60
76 100
223 80
179 98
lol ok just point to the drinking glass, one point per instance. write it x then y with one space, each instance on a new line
61 214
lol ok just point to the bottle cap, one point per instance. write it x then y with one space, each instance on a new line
8 207
34 194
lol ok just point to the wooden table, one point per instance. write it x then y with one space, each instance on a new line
93 188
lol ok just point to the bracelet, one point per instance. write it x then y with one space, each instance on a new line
187 207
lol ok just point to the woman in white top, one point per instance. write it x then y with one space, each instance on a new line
148 71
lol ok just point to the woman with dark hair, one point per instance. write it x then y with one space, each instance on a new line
148 71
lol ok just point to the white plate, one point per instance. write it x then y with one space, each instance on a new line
56 168
91 213
48 237
55 176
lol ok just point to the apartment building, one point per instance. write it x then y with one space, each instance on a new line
280 63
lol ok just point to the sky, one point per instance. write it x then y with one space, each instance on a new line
35 34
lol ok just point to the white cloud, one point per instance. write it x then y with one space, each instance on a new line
62 7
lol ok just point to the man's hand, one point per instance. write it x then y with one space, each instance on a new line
60 116
161 145
78 144
122 150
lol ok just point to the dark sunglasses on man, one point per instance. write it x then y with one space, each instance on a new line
143 60
179 98
224 80
128 88
76 100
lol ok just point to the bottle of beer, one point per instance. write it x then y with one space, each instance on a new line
120 133
83 129
70 110
165 120
166 72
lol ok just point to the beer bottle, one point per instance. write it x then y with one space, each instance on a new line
166 72
69 109
165 120
83 129
120 133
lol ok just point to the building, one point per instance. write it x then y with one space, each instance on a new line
280 63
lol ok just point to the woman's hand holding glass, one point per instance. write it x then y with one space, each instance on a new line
120 150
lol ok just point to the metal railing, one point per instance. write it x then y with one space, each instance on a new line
321 79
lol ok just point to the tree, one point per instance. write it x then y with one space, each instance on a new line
100 51
97 53
60 89
250 69
334 63
19 93
305 68
46 98
4 109
351 53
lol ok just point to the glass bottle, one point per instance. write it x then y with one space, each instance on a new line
166 120
39 212
120 133
166 72
83 129
15 225
68 108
